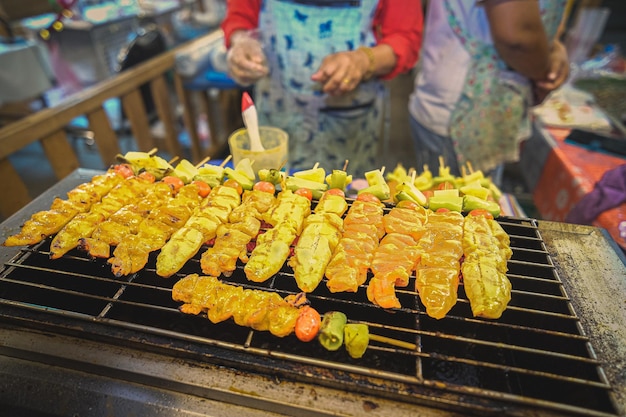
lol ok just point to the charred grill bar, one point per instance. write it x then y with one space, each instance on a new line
71 315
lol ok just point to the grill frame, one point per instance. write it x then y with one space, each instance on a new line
409 390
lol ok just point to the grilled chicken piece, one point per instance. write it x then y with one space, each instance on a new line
406 221
258 309
200 228
230 244
46 223
273 247
270 253
125 221
84 224
484 268
314 249
363 228
397 254
437 274
289 207
254 203
320 235
233 237
133 251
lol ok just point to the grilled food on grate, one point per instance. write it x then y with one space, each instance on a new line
233 237
362 229
273 247
46 223
125 221
395 258
437 273
132 253
83 224
199 228
319 237
486 250
260 310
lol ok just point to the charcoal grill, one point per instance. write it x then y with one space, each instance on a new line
535 359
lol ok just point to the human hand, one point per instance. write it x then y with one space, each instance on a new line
245 58
342 72
557 73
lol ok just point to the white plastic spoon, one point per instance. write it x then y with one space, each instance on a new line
250 119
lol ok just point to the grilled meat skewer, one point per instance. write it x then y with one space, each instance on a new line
200 228
46 223
131 254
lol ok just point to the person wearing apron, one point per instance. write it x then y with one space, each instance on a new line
474 89
319 71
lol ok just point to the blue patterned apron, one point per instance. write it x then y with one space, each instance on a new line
491 117
297 35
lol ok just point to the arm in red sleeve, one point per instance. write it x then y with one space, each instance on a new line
400 25
240 15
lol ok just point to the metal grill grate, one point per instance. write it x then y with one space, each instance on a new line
534 356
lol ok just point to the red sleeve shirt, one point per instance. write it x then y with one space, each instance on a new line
397 24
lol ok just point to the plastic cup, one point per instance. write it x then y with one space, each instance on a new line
274 140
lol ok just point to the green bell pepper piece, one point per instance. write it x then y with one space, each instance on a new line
356 337
331 330
471 202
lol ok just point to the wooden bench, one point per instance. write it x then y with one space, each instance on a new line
49 125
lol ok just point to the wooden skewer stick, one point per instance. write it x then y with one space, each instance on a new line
152 151
469 166
225 161
345 165
413 174
316 165
463 171
382 171
442 163
204 161
393 342
173 160
282 165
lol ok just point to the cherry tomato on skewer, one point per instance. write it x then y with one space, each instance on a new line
265 186
203 188
369 197
304 192
233 184
125 170
335 191
174 182
147 176
307 324
481 212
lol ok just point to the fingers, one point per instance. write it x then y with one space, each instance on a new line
246 65
339 73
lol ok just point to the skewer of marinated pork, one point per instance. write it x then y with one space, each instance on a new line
437 273
79 200
258 309
232 238
199 228
397 253
83 224
320 235
362 230
273 247
132 253
486 252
